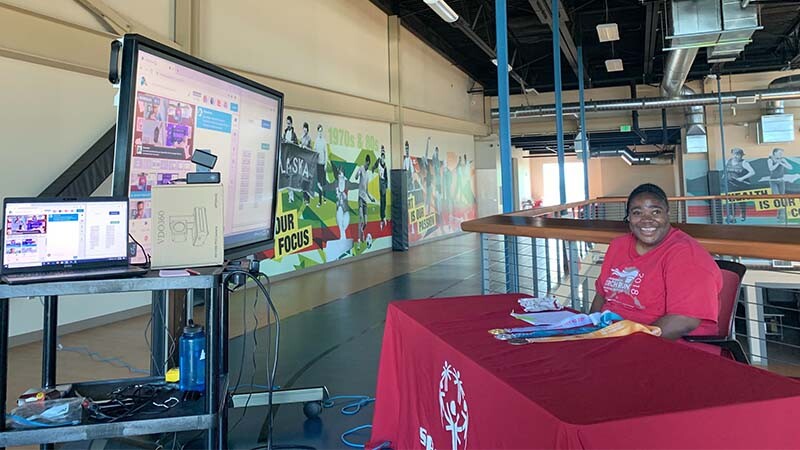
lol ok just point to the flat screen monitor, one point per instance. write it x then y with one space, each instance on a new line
775 128
171 104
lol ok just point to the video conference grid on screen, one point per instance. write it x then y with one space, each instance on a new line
44 234
179 109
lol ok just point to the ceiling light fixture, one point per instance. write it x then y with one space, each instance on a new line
494 61
625 157
614 65
444 10
608 32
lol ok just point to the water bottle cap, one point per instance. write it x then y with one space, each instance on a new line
192 329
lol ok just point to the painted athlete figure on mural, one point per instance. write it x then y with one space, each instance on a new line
738 172
383 178
362 176
777 166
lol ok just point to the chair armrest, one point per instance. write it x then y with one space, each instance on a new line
707 339
731 345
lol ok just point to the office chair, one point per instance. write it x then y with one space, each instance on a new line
732 275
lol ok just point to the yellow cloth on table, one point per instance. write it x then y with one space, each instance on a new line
617 329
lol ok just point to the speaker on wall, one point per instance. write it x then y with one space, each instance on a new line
715 182
399 183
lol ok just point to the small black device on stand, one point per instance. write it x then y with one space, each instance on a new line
208 160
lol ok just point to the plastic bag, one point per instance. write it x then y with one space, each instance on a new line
48 413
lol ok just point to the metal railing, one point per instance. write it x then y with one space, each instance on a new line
767 317
760 210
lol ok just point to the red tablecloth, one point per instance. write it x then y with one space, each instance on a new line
638 391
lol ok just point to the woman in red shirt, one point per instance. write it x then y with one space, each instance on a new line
659 275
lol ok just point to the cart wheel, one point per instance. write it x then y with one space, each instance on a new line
312 409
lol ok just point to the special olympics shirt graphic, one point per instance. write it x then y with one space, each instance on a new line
624 281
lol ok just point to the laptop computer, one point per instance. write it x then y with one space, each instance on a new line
65 239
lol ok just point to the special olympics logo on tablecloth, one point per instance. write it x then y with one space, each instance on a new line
453 407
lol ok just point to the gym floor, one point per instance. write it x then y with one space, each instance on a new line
336 345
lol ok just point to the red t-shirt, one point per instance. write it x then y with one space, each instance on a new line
677 277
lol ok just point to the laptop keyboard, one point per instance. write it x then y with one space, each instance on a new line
64 275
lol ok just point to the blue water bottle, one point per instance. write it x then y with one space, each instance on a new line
192 348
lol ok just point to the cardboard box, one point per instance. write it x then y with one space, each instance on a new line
187 226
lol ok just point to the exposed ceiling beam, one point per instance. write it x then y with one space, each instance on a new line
119 24
794 63
464 26
793 39
650 37
543 11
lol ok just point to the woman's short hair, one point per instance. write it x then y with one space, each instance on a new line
647 188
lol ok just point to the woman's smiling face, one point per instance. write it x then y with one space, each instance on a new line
648 220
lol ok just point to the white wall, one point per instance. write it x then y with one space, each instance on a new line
341 45
487 168
523 182
619 179
51 117
156 14
429 82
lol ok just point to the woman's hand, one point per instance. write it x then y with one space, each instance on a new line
597 303
674 326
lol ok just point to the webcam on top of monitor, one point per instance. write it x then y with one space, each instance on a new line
205 159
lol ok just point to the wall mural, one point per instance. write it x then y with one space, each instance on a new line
441 186
775 174
696 173
333 191
768 170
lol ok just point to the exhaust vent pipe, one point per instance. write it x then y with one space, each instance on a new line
695 119
774 107
788 82
679 62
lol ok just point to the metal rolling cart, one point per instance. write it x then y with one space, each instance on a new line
212 416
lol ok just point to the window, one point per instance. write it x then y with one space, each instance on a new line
573 174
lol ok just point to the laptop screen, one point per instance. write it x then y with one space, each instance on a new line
50 234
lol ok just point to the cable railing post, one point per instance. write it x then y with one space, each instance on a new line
547 264
573 275
512 264
535 266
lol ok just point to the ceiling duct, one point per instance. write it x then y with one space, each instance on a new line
777 106
627 104
723 27
679 62
695 115
774 107
738 25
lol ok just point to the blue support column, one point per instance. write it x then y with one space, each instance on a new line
506 177
562 187
584 131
